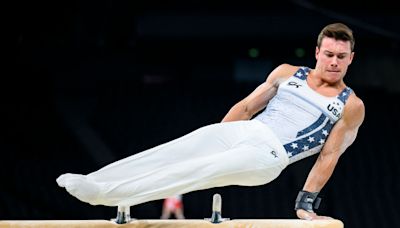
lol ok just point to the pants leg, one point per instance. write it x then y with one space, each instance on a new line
244 165
201 142
236 153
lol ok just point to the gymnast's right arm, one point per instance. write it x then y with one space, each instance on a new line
259 98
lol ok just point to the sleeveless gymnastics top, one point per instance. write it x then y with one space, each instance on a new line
300 117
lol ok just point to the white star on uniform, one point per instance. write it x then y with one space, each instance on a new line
299 74
344 94
310 139
290 154
305 148
294 145
325 132
321 141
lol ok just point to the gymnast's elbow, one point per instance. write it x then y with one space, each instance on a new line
239 111
247 110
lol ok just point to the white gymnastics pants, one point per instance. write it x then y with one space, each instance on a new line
245 153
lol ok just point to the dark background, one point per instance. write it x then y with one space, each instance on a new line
89 82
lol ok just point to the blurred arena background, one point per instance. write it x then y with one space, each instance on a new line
90 82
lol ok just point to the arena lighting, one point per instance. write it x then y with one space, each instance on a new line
254 52
299 52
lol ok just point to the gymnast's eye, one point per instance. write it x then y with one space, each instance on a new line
328 54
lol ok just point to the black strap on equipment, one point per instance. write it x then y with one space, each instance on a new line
307 201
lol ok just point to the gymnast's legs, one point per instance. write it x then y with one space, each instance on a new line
243 153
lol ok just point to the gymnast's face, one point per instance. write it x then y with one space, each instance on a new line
333 59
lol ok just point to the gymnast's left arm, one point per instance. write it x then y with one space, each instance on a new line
341 137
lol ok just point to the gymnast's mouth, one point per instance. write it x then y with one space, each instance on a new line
333 70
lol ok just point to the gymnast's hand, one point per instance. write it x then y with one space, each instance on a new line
302 214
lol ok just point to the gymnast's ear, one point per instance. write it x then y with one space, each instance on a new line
316 52
351 57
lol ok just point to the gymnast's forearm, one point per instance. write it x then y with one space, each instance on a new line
321 172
